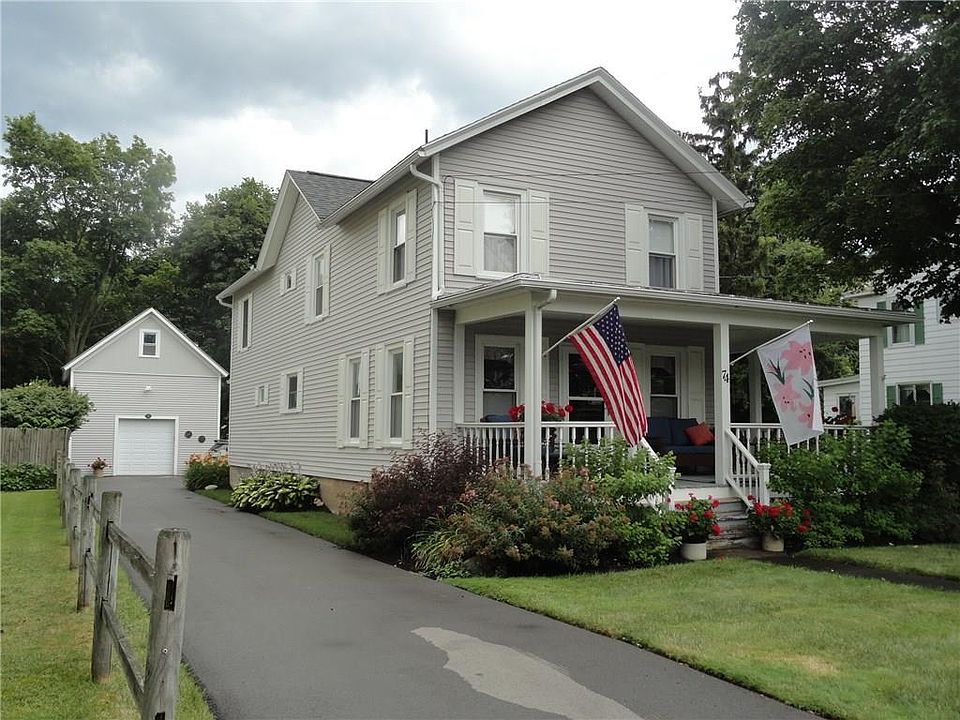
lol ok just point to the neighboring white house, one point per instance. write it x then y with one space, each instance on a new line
842 394
921 358
423 300
156 397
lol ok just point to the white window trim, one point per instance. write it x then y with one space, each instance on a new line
261 398
285 392
388 393
382 393
363 389
156 335
481 342
679 246
248 298
309 316
397 208
909 342
292 274
523 231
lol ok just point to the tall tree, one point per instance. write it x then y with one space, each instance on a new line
855 108
77 215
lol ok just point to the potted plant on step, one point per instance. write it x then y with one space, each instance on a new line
776 522
697 521
97 466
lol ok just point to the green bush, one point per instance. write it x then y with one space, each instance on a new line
403 496
507 524
856 487
935 441
206 469
27 476
276 491
39 404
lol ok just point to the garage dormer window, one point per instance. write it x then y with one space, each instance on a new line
149 343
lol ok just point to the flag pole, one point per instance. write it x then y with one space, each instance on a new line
582 325
753 350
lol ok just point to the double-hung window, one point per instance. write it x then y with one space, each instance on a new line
901 334
663 252
318 286
398 244
664 386
246 321
353 412
847 405
914 394
582 393
291 391
149 343
395 395
501 238
499 379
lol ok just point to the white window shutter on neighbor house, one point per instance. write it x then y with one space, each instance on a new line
380 374
539 232
408 393
383 236
465 226
637 245
693 262
410 253
342 401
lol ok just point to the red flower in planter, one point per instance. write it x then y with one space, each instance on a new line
802 528
715 529
715 503
693 517
568 409
773 511
708 514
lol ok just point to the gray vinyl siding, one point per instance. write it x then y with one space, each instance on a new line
122 354
358 319
937 360
591 162
194 401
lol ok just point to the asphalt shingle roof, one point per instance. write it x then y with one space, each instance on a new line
326 193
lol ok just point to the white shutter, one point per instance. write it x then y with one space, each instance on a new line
383 235
637 243
693 261
410 253
364 397
465 226
539 232
408 393
695 391
326 281
342 401
380 359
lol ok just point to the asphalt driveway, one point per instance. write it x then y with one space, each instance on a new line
284 625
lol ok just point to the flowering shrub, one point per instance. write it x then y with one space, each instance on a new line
205 469
778 519
275 491
548 412
507 524
417 486
98 464
696 519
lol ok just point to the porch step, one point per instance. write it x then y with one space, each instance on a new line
734 527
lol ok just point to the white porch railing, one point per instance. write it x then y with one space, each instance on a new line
748 477
756 435
504 440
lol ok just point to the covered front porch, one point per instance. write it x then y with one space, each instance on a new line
682 345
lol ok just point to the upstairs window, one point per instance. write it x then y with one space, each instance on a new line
149 343
288 282
501 245
318 294
246 321
901 334
398 260
663 253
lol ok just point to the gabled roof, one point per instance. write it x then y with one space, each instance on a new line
322 191
93 349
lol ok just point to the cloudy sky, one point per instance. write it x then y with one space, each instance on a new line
248 89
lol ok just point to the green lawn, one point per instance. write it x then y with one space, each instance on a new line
937 560
842 646
319 523
46 643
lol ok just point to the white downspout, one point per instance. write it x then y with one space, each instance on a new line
437 239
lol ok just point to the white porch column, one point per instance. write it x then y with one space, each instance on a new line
459 338
721 397
755 389
878 391
532 383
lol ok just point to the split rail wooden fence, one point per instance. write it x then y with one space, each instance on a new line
96 543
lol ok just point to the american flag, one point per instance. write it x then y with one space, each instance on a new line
603 348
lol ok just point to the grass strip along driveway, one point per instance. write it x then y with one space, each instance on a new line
842 646
934 560
46 643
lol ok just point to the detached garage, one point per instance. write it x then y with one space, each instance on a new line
156 397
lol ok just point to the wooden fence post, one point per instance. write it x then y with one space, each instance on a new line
165 644
106 588
86 542
73 517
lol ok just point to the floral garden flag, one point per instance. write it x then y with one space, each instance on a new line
792 378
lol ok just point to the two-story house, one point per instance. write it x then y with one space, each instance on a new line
424 300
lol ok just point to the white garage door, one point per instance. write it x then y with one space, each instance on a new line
145 447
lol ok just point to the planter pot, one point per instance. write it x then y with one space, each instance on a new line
98 472
693 550
771 543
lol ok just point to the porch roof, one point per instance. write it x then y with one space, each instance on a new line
678 305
